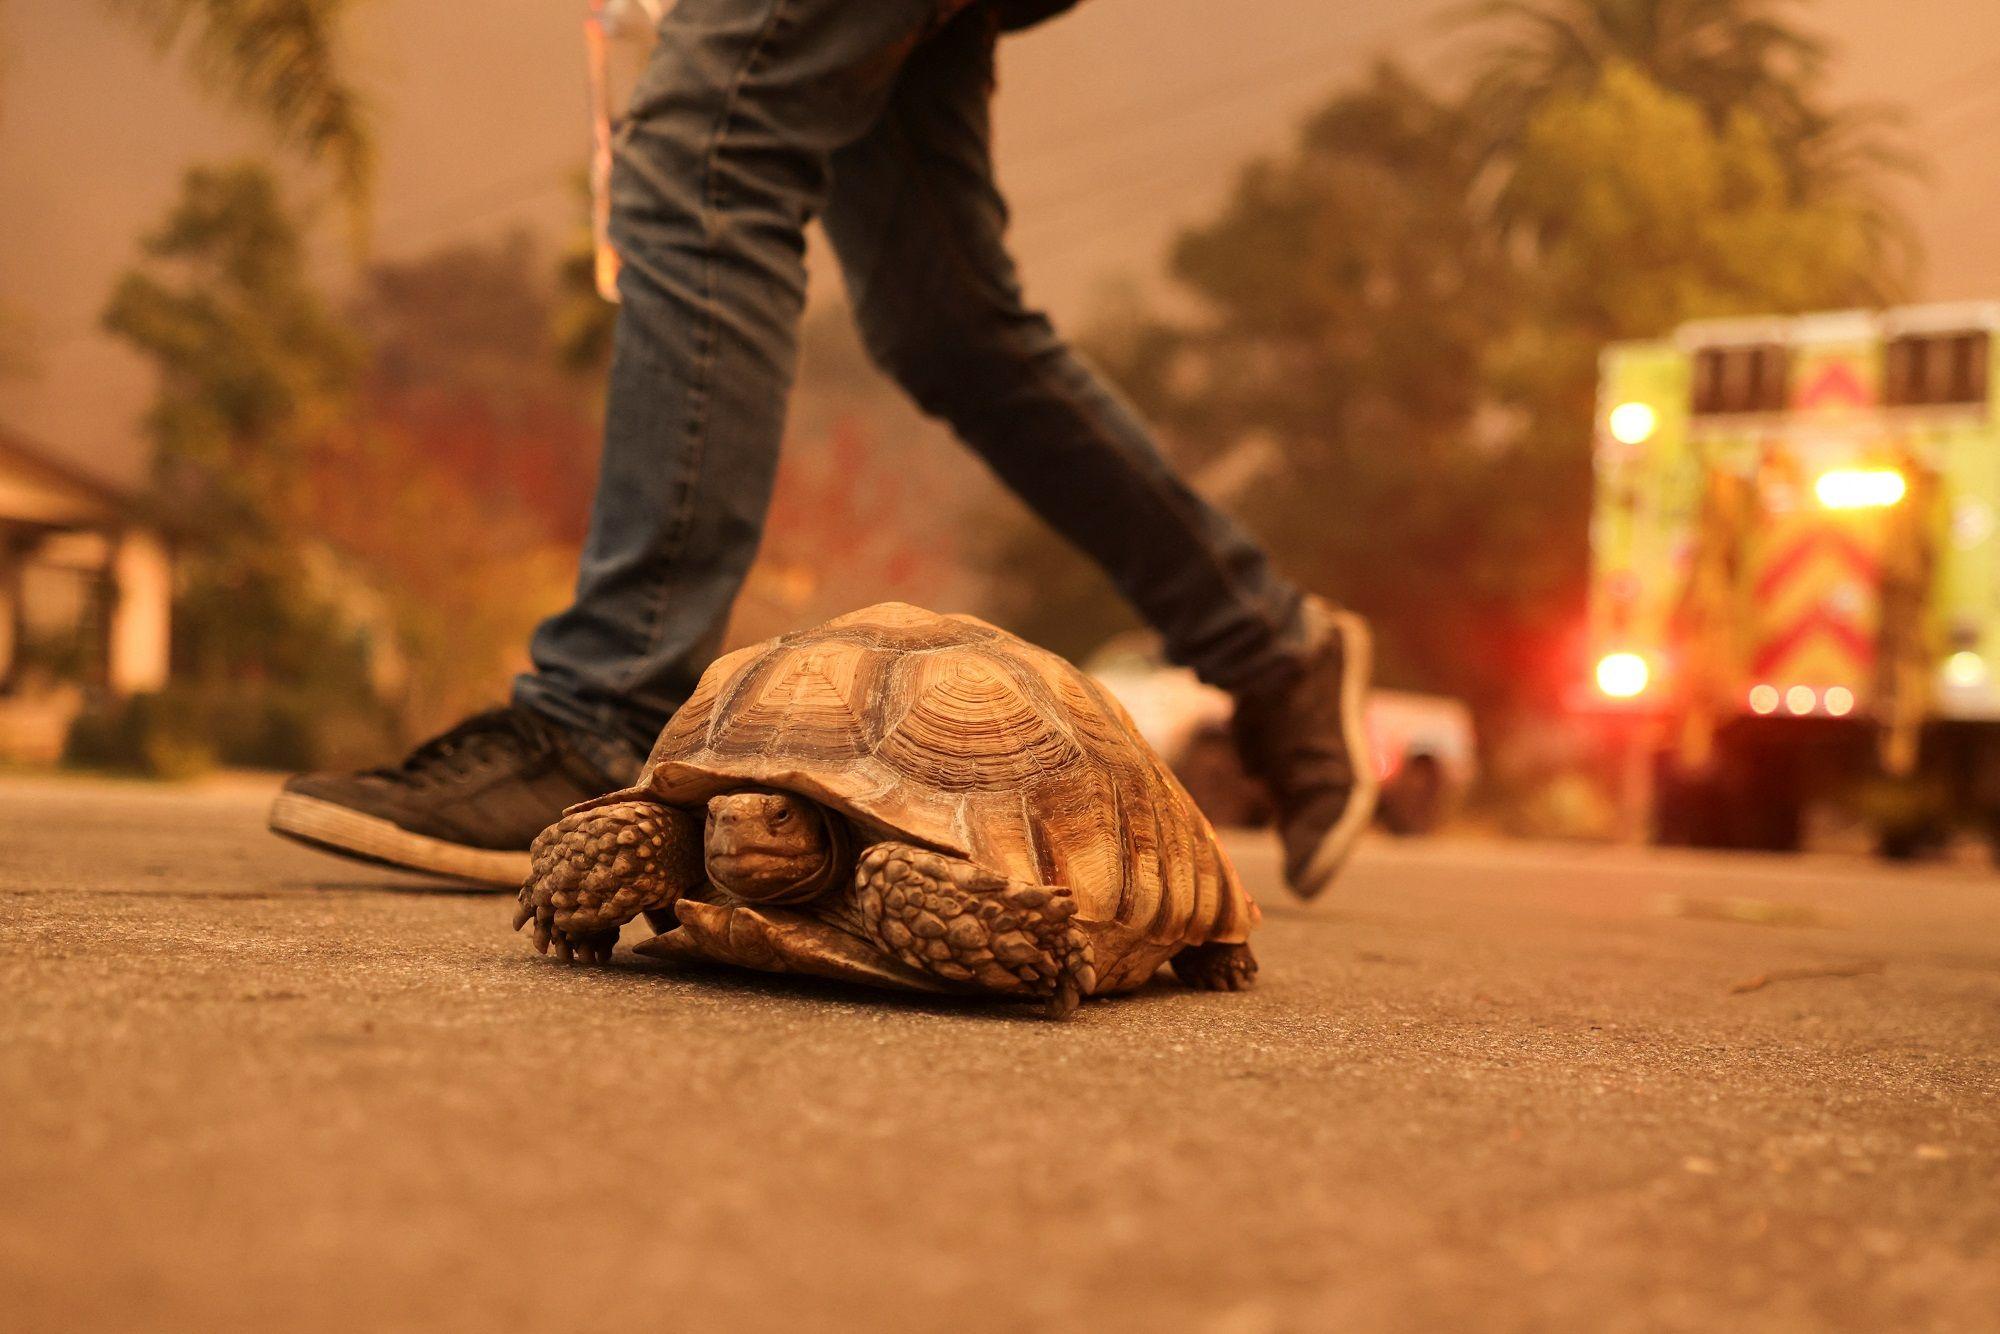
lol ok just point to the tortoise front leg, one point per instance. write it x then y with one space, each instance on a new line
596 869
949 918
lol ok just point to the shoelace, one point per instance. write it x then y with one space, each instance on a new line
462 748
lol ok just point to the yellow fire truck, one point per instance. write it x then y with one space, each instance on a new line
1795 570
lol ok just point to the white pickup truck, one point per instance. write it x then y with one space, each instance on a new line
1423 745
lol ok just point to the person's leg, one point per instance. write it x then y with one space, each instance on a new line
721 162
919 225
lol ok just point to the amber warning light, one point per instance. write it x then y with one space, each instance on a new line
1860 488
1633 423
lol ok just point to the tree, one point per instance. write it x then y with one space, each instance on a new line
279 59
374 505
462 495
254 372
253 362
465 362
1729 59
1723 55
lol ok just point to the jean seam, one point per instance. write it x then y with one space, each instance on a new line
698 388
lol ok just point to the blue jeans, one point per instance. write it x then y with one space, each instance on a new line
754 117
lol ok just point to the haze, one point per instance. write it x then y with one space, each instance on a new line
1118 123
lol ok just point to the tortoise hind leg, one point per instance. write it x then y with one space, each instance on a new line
945 916
1216 967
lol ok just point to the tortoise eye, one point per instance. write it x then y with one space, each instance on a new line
784 816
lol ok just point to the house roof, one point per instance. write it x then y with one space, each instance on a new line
39 487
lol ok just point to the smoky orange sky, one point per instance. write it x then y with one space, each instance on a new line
1117 124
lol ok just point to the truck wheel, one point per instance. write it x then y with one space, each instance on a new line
1689 809
1413 801
1773 823
1906 840
1899 843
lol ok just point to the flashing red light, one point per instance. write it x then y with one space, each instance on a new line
1622 675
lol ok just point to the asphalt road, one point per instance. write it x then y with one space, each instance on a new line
1493 1086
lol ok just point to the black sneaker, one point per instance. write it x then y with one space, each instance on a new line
1307 741
465 804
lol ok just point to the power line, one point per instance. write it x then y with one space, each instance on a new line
1217 92
483 201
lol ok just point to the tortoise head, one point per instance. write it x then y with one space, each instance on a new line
769 847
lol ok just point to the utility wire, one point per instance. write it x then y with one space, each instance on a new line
1205 97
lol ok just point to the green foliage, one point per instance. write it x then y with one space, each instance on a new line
254 372
281 60
1729 60
253 365
1721 55
1648 215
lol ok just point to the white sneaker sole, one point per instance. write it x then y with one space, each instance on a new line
1357 663
333 828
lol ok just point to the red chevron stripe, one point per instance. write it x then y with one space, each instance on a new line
1852 554
1818 621
1837 383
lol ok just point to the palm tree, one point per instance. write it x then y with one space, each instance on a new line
1723 54
1730 57
280 60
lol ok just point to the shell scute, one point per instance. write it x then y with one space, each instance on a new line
811 703
971 726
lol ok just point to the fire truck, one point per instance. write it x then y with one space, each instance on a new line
1795 591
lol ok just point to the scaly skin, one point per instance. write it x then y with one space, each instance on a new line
770 847
597 869
947 917
1216 967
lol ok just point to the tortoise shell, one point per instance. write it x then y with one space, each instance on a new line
946 732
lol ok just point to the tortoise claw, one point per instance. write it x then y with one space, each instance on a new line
1063 1000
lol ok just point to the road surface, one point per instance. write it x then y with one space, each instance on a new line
1494 1086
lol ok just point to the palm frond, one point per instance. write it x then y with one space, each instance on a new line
281 60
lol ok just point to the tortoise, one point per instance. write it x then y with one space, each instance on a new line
905 799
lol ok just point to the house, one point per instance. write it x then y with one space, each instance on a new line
86 585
